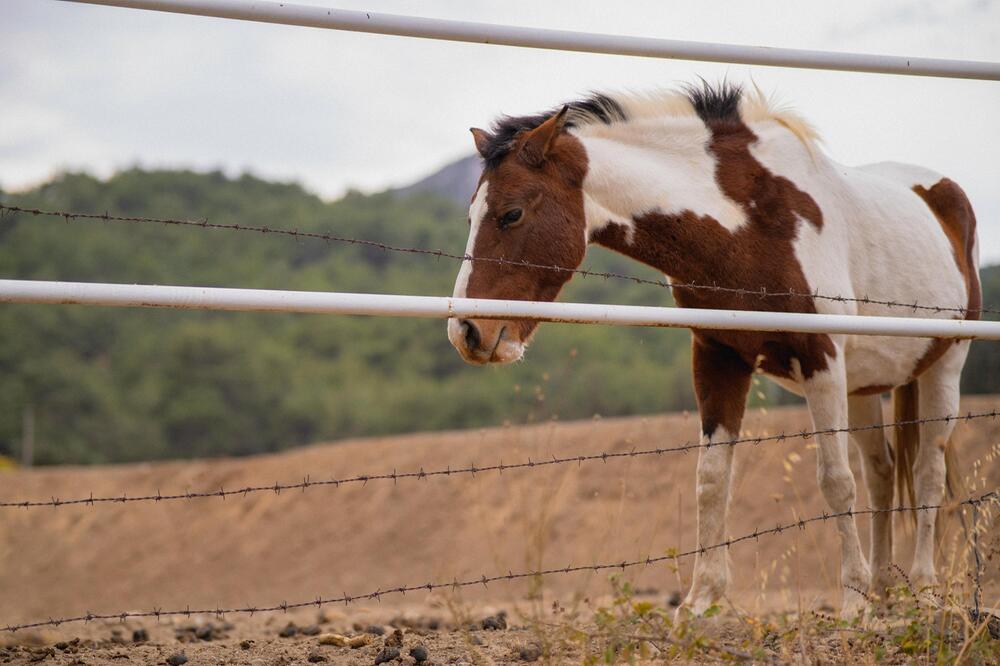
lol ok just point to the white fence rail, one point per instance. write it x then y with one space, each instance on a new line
318 302
564 40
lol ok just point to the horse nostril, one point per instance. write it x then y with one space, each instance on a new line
472 338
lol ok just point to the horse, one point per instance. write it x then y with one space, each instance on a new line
713 185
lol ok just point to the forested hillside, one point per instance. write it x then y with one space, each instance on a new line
106 384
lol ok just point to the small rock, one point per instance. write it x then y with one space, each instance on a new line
334 639
529 652
359 641
289 630
40 654
395 639
495 622
62 645
204 632
375 630
476 640
246 644
315 657
386 655
674 600
419 653
177 659
311 630
140 636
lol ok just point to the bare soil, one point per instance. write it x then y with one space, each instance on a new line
267 548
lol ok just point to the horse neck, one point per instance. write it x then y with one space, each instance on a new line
650 194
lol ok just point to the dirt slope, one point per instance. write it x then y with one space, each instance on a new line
266 548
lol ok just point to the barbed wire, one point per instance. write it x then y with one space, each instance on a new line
473 469
761 294
485 580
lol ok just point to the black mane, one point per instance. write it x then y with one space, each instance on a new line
718 103
713 103
505 130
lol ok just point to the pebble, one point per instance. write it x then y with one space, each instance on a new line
204 632
311 630
419 653
386 655
315 657
177 659
289 630
395 639
375 630
495 622
246 644
675 599
529 652
140 636
334 639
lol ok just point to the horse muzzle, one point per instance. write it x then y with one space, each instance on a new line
485 341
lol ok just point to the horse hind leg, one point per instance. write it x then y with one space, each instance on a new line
826 395
938 396
877 466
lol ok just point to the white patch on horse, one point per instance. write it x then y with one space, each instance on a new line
477 211
711 568
654 165
878 239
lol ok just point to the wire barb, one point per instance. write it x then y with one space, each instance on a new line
472 469
761 293
483 579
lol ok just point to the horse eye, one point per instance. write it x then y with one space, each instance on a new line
510 217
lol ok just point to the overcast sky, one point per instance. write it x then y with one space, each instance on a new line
97 88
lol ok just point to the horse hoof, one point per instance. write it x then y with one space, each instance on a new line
856 606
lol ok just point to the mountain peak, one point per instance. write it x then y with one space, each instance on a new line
455 181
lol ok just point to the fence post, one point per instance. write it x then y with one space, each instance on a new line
977 594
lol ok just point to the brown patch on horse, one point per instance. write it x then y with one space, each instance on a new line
760 254
954 213
721 384
543 176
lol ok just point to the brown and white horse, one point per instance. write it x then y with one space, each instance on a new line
714 186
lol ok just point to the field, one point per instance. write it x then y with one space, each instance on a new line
268 548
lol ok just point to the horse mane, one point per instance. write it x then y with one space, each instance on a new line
713 103
594 109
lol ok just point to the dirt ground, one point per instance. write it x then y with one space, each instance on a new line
269 548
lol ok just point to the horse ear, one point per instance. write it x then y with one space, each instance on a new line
537 143
482 139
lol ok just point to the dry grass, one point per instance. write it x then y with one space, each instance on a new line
271 548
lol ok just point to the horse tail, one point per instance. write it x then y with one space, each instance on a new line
907 438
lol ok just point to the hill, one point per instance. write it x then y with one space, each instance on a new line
104 385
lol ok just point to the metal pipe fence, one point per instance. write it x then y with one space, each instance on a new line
284 13
119 295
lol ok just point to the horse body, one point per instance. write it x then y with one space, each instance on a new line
714 188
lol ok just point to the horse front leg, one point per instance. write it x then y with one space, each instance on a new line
826 394
721 381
